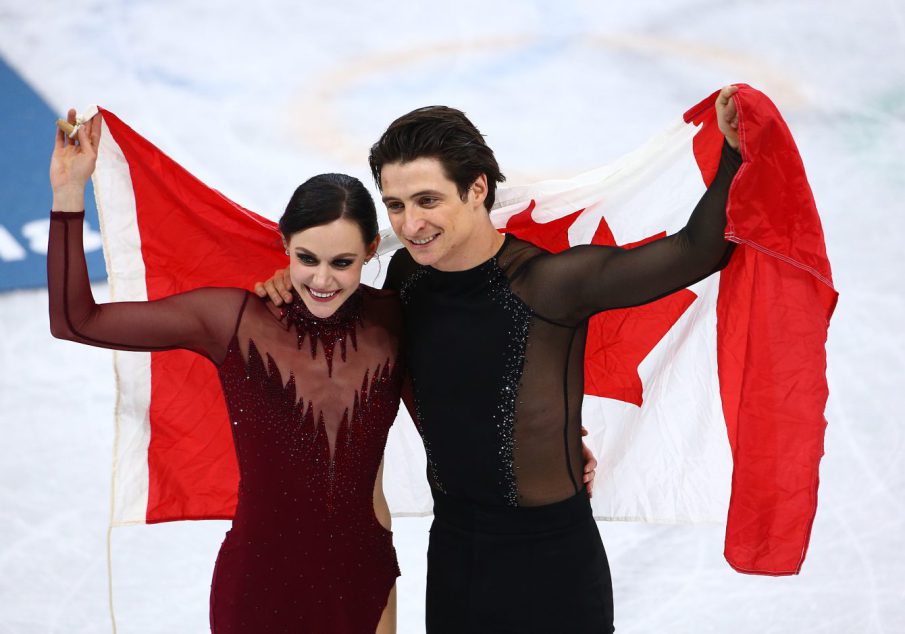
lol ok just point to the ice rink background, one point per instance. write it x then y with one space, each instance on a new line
253 99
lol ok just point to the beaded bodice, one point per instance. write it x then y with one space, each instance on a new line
310 419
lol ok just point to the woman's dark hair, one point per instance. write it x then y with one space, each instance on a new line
445 134
327 197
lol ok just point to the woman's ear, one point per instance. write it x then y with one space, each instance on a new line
371 251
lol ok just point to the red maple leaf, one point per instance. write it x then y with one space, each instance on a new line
620 339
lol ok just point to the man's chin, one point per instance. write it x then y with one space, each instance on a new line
424 257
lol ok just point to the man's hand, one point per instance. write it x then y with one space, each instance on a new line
278 288
590 465
727 115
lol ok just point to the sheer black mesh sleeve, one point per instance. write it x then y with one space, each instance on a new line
202 320
572 285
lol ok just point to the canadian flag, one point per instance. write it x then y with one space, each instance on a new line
705 405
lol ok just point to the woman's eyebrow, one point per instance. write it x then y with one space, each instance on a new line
335 257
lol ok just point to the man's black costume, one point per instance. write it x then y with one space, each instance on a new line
496 356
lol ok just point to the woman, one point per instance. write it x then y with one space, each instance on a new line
311 392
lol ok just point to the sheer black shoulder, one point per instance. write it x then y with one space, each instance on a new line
402 265
516 255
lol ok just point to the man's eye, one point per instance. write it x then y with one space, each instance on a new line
394 206
341 264
428 201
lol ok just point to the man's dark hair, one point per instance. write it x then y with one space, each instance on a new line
445 134
327 197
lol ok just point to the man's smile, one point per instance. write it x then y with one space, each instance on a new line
423 241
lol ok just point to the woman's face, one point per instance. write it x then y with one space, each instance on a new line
325 264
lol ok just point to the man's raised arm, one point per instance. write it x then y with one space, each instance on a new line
572 285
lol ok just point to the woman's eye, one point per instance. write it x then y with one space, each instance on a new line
341 264
307 259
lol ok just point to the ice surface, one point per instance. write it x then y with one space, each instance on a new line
254 97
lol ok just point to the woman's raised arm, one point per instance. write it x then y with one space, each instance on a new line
202 320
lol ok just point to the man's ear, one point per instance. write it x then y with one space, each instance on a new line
479 190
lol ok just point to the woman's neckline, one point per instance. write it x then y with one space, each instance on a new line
348 311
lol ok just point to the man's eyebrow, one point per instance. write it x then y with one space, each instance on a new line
425 192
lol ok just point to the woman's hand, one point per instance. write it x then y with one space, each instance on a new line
727 115
72 164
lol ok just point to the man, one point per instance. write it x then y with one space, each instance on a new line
495 330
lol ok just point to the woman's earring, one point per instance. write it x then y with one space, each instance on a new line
287 251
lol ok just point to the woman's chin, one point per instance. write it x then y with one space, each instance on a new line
323 307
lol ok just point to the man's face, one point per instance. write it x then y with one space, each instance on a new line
428 214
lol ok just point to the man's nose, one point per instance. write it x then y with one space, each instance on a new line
413 222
